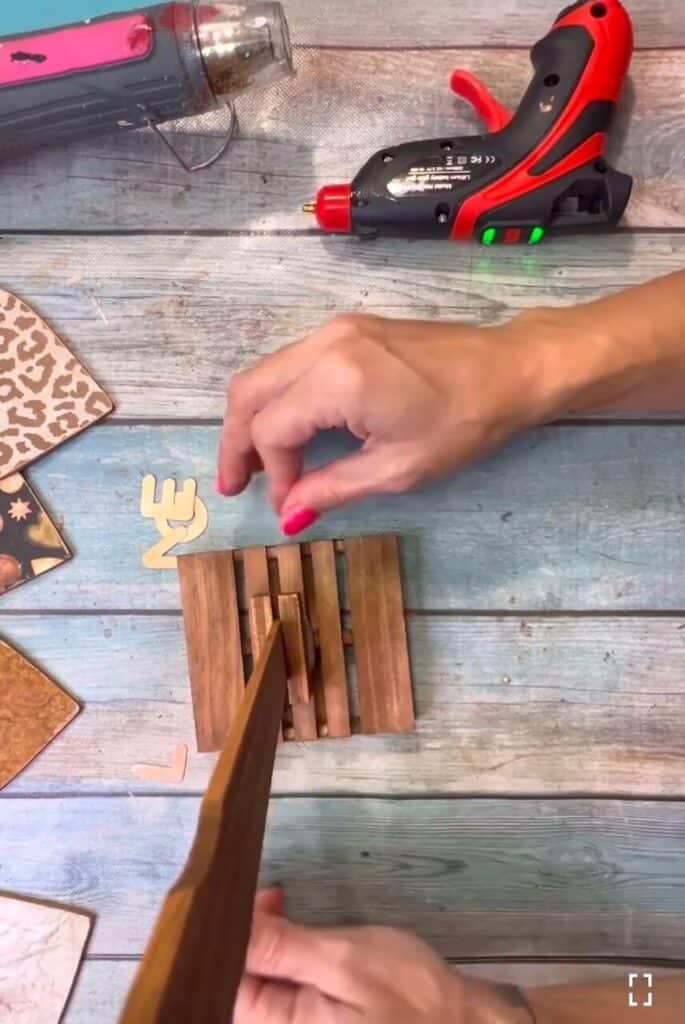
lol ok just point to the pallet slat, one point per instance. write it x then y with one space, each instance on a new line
213 643
334 686
290 615
380 638
291 581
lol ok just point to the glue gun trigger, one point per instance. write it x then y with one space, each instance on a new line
475 92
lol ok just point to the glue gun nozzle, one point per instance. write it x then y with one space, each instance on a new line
309 208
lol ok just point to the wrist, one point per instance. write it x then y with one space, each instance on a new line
491 1003
594 358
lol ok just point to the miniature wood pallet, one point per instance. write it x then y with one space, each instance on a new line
231 598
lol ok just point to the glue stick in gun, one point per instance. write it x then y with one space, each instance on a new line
152 65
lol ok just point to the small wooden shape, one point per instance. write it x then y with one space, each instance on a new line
33 710
256 569
290 615
291 581
182 508
196 956
261 621
172 774
174 504
329 622
380 638
212 628
41 946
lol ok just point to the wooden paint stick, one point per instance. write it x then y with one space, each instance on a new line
195 959
290 615
291 579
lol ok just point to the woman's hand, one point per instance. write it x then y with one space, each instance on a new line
297 975
424 398
428 398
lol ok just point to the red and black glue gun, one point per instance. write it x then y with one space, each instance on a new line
539 169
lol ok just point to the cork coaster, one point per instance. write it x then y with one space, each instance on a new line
33 710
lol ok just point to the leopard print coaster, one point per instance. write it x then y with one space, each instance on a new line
46 395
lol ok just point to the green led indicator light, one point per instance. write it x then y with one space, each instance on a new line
489 236
536 235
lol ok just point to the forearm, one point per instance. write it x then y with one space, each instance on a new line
624 353
609 1003
604 1003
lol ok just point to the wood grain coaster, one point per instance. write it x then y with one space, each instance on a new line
41 946
33 710
230 600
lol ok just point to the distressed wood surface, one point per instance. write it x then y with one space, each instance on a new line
102 985
370 23
166 323
564 519
588 519
504 706
319 127
582 877
512 23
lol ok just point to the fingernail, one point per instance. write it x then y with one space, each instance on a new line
220 485
297 521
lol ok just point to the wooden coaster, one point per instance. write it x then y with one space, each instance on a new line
230 599
33 710
41 947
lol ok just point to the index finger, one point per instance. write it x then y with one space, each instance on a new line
251 390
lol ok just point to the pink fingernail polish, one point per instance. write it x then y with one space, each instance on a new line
297 521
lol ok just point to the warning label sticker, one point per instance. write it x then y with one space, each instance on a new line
442 174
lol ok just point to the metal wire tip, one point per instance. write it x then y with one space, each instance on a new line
309 208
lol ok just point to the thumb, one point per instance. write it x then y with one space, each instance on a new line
270 901
386 469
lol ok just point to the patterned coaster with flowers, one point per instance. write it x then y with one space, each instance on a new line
30 543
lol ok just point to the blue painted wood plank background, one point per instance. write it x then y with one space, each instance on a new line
473 877
566 519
